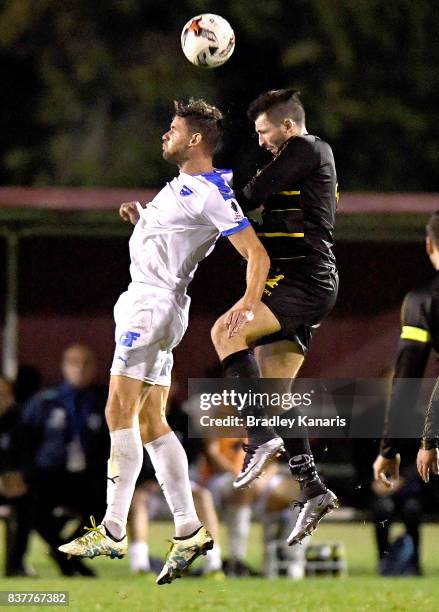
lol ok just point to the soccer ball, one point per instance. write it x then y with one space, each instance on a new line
207 40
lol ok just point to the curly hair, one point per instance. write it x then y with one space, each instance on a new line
202 117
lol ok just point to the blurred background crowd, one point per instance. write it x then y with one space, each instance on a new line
54 447
87 94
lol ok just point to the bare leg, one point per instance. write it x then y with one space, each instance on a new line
282 359
263 324
125 401
206 511
138 525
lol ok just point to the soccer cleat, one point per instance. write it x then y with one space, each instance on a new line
310 514
96 543
182 553
256 458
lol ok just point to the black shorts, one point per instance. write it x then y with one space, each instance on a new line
300 303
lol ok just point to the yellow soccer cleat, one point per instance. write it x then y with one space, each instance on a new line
95 543
182 553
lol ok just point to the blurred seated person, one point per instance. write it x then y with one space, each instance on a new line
13 488
68 443
269 495
146 493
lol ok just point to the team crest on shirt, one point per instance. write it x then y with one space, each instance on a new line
127 338
185 191
236 210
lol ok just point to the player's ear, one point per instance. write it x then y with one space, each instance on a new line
429 245
289 125
195 139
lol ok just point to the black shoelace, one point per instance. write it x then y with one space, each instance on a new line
250 450
298 504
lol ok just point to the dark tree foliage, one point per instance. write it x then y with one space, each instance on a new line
87 87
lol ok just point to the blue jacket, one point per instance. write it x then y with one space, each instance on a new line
53 418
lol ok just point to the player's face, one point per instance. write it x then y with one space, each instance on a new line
271 136
79 366
175 142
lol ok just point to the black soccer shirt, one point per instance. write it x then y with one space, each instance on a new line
298 189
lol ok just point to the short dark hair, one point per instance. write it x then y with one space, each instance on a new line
432 228
202 117
280 104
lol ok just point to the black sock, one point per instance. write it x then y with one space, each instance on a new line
300 459
242 364
303 470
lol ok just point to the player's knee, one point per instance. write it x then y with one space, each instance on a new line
119 410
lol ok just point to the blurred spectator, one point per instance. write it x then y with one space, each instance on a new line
68 444
13 489
218 468
268 496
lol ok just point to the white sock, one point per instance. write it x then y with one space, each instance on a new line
238 519
213 561
124 465
171 469
138 553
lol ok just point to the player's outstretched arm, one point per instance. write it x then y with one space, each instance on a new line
258 263
387 469
129 211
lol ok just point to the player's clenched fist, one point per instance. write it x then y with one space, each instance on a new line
129 211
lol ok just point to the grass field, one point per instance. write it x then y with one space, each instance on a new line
116 589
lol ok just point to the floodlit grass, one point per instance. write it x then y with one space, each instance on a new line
116 589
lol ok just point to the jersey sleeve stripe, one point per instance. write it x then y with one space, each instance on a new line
279 234
415 333
233 230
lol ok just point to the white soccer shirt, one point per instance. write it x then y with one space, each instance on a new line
180 226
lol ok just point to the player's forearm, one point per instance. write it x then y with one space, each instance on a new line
258 264
409 369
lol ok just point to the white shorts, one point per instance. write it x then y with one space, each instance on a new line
150 322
